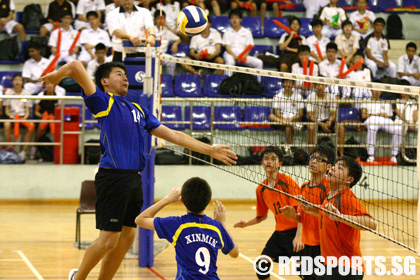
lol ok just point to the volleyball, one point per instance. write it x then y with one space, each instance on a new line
191 20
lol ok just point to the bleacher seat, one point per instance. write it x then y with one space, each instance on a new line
171 114
228 114
257 49
272 86
348 114
201 117
211 85
271 29
412 3
183 50
188 85
306 28
167 85
257 114
253 24
388 5
6 78
221 23
88 116
298 7
346 3
373 6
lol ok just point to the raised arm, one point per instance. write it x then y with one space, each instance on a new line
220 215
254 221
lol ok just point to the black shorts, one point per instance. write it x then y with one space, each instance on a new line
280 244
310 251
337 276
119 198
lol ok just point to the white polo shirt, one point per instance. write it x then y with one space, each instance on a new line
67 39
167 38
331 70
328 12
171 12
136 23
199 43
405 66
321 111
84 6
312 40
358 19
109 8
347 45
407 109
94 37
33 69
359 93
288 109
376 108
377 47
238 41
17 106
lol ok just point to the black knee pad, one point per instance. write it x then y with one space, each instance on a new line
265 266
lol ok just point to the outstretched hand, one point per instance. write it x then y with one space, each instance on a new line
240 224
223 154
219 212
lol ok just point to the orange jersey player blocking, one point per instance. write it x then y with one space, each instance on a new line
315 191
286 240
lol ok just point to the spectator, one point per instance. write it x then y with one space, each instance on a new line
171 9
378 116
377 46
317 38
240 4
362 20
332 16
236 40
89 38
289 45
54 13
100 58
322 115
209 42
312 7
287 112
263 7
407 112
18 109
44 110
409 65
115 4
330 67
7 23
347 43
297 68
130 22
83 8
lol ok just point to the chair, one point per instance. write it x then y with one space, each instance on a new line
373 6
6 79
228 114
348 114
221 23
171 114
167 85
183 50
257 114
253 24
257 49
86 206
271 29
412 3
306 28
188 85
388 6
272 86
212 83
298 6
346 3
201 117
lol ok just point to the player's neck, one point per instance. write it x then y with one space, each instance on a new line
378 35
318 36
331 61
316 179
335 190
272 177
236 28
18 90
362 11
113 91
189 212
347 35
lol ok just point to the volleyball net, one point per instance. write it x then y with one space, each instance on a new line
250 109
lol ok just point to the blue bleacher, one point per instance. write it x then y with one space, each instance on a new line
221 23
411 3
6 78
388 4
188 85
272 86
172 113
346 3
253 24
211 85
167 85
19 19
228 114
201 117
348 114
271 29
257 114
306 28
260 48
183 50
299 7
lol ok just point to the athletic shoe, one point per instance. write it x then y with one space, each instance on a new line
72 274
371 159
394 159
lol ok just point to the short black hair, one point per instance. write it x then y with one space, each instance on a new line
316 22
326 151
303 48
33 45
157 14
379 20
196 194
293 18
92 13
104 70
66 13
355 170
17 75
359 53
332 45
100 47
272 149
346 22
411 45
235 12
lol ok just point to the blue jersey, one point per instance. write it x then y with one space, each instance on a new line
123 129
197 239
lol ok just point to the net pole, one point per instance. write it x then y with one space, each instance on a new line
418 175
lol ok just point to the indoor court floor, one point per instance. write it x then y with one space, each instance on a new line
36 242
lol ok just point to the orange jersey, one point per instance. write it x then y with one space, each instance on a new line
338 239
273 200
314 195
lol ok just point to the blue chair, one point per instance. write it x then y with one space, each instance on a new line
261 48
346 3
183 50
306 28
212 83
88 116
221 23
172 114
372 7
410 3
201 117
272 86
188 85
257 114
299 6
228 114
387 5
6 78
253 24
167 85
271 29
348 114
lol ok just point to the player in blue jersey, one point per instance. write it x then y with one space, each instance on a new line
196 237
118 183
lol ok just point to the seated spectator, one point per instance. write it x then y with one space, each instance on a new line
289 45
236 40
83 8
171 9
322 115
332 16
68 37
409 65
7 23
274 6
207 46
112 6
377 46
92 36
362 20
18 109
287 112
44 110
347 43
407 112
378 116
317 38
330 67
54 13
100 58
240 4
312 7
297 68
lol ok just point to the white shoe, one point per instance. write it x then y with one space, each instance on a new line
23 154
72 274
394 159
371 159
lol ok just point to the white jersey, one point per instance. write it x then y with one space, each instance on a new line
238 40
33 69
312 40
288 109
361 21
168 37
17 106
359 93
321 111
331 70
347 45
327 13
407 66
199 43
377 108
377 47
67 39
171 12
85 6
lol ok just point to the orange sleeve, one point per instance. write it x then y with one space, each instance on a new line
351 205
262 209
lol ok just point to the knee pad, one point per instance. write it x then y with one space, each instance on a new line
265 266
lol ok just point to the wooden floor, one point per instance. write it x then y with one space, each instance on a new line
36 242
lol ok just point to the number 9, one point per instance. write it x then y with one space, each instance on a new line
203 262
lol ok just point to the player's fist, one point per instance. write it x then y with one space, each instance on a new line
174 195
